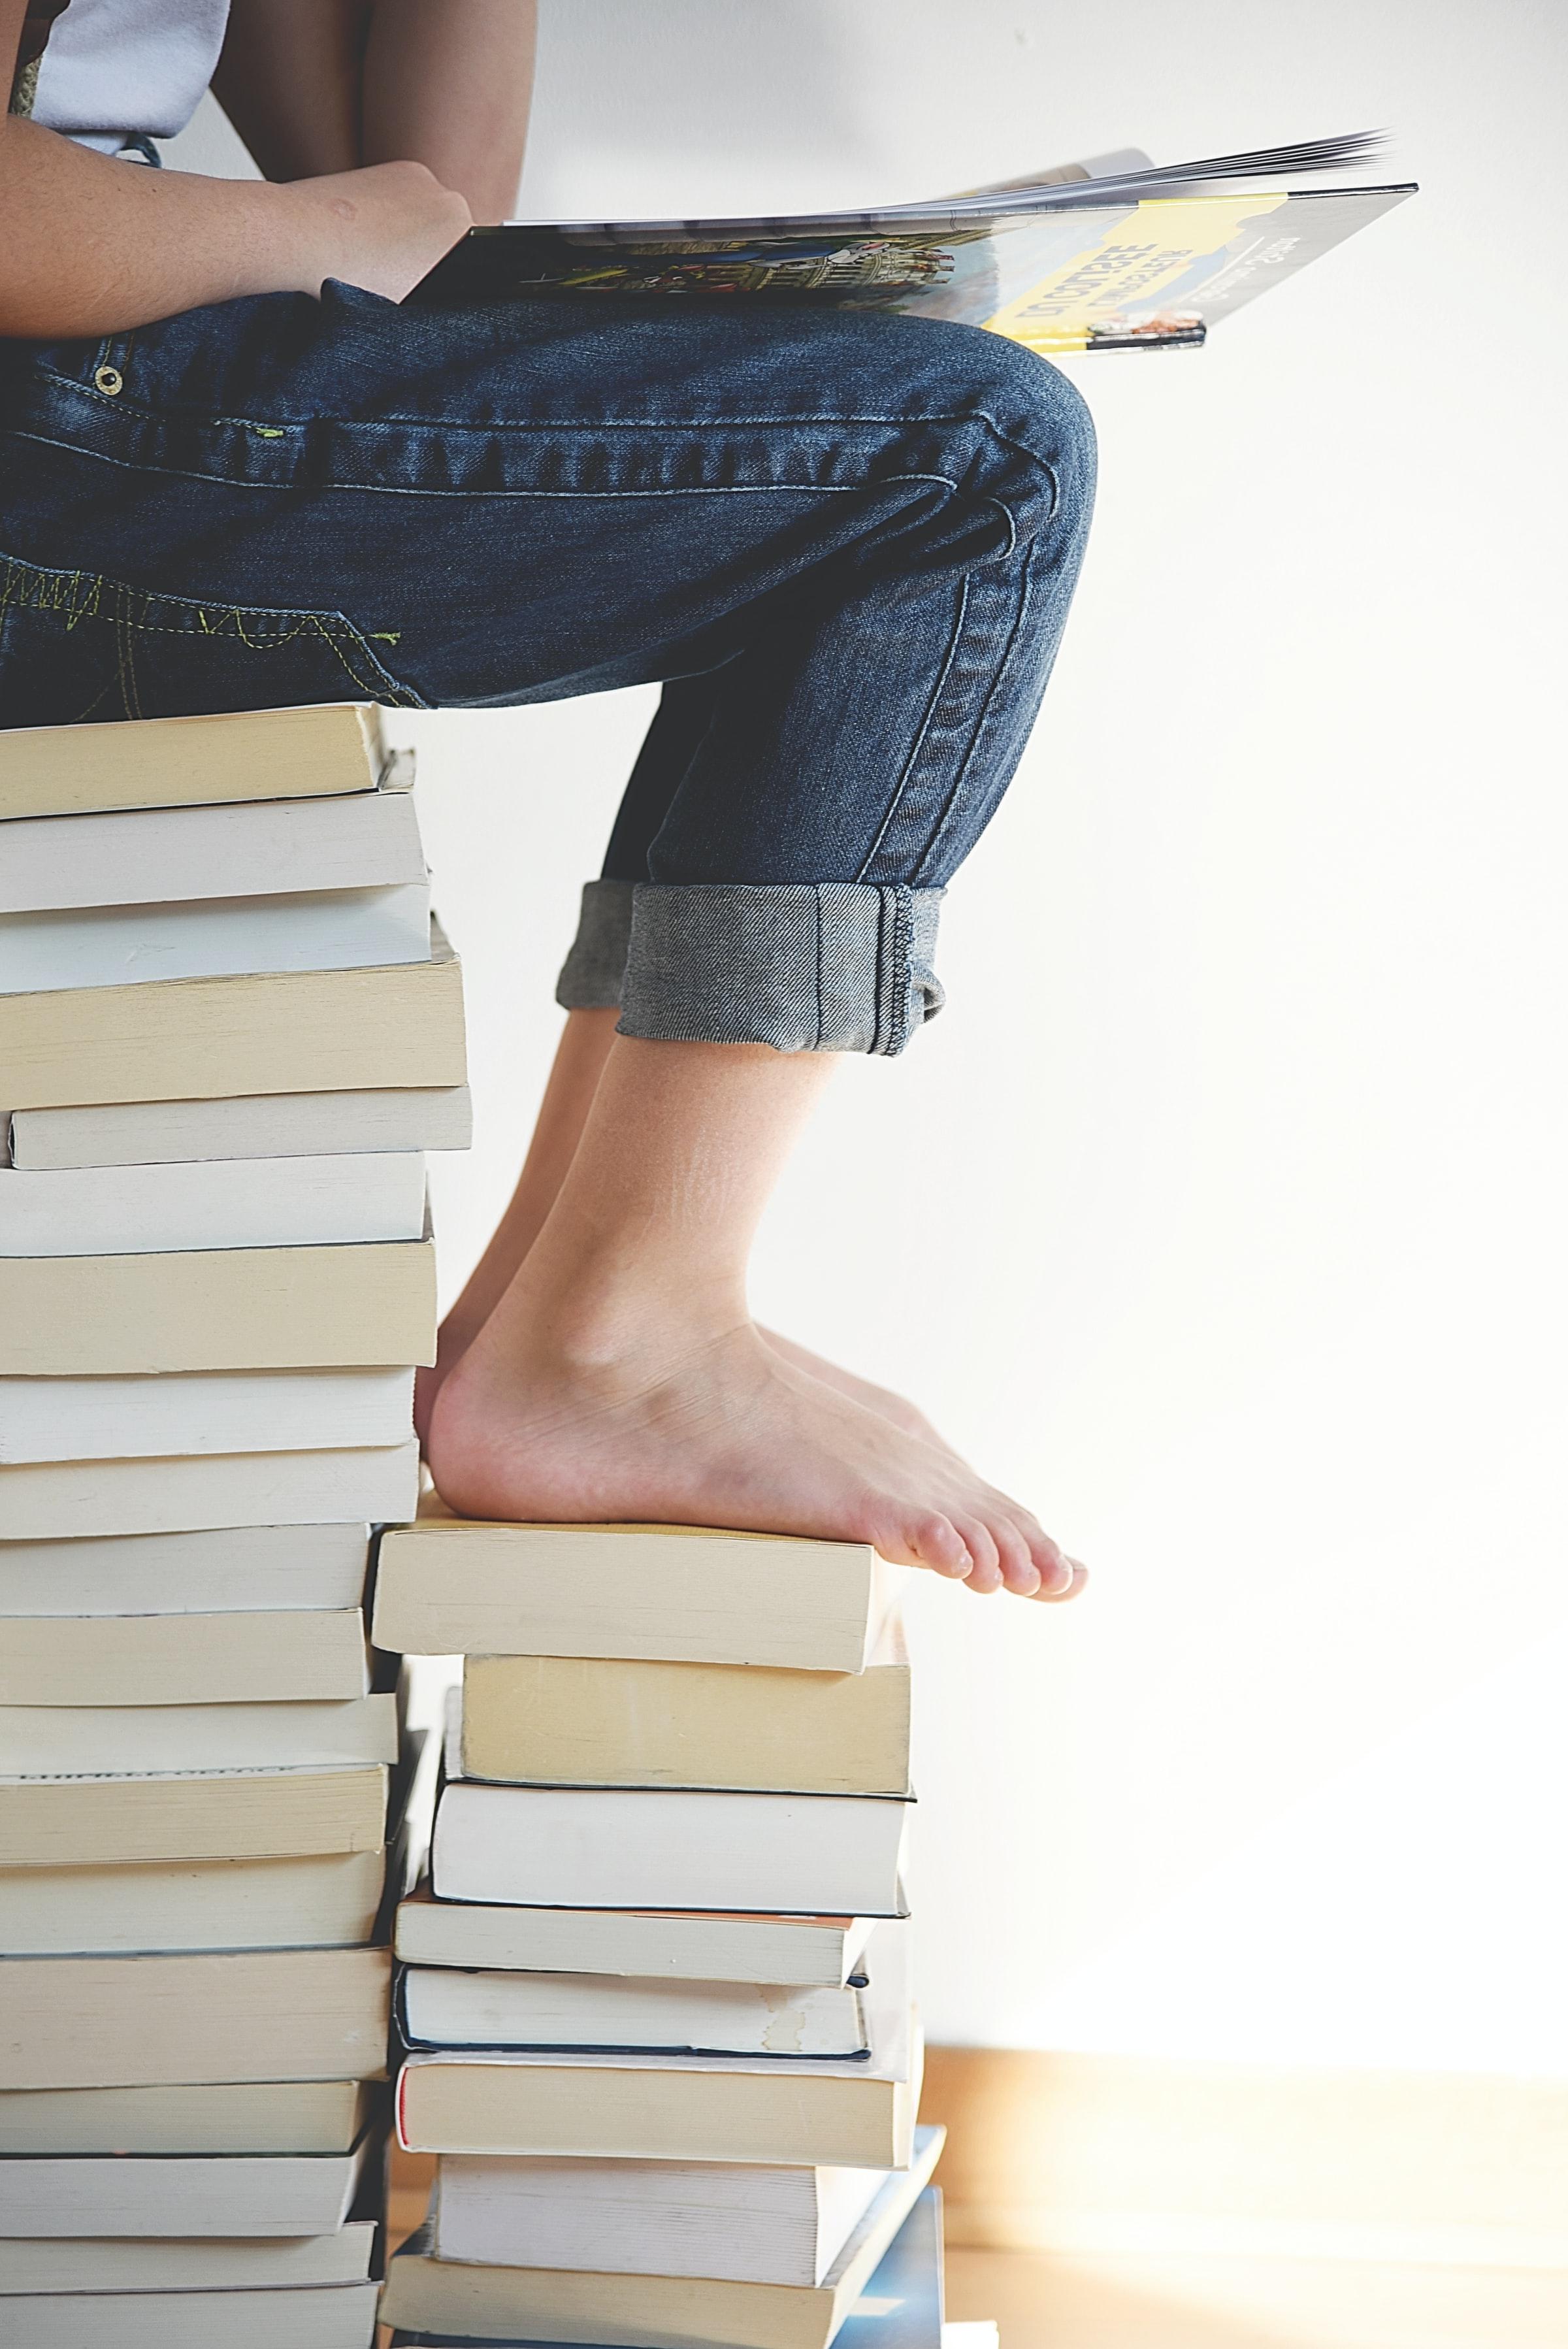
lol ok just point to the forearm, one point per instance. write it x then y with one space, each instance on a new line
94 246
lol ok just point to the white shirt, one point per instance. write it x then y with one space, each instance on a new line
114 68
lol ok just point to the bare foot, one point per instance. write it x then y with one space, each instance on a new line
713 1426
887 1405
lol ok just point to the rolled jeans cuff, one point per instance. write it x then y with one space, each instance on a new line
591 975
820 967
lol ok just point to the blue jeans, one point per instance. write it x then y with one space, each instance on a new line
844 541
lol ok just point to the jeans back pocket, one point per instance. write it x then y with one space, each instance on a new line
77 647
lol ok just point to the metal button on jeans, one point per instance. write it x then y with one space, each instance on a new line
109 379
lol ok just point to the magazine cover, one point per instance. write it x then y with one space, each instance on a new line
1076 259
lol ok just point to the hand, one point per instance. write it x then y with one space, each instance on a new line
384 228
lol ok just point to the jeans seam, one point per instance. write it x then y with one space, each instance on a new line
921 731
601 424
961 770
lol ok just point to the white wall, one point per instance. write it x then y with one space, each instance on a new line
1222 1213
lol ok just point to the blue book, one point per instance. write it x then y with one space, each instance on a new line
900 2307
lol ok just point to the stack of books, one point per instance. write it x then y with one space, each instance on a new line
655 1990
225 1042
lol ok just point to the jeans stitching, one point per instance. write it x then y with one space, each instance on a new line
997 673
601 424
396 490
927 720
67 586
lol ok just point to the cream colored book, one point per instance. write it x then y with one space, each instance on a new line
691 1947
797 2115
397 1024
574 1721
45 1741
219 1309
180 2196
208 1814
330 1900
41 2264
162 763
679 1594
77 1500
284 1656
239 2016
297 2316
296 2117
454 2301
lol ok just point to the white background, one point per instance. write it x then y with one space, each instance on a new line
1220 1215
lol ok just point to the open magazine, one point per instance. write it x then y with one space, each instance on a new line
1118 253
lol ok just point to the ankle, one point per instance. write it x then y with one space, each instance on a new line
588 1318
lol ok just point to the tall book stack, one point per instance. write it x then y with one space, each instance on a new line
655 1990
225 1042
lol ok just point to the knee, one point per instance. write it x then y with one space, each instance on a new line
1026 433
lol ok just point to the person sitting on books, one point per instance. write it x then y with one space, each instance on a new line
234 473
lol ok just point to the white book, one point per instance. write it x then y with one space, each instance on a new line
240 1203
367 840
217 938
742 2224
439 2301
252 1125
206 2194
333 2316
329 1900
49 1742
611 1847
179 1412
244 1569
171 2263
826 1950
445 2008
52 1501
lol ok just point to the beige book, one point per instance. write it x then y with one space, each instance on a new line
296 2317
308 752
243 2014
668 2107
43 2263
214 1814
389 1024
577 1721
453 2300
359 1307
690 1946
284 1655
257 2117
326 1899
77 1500
181 2196
680 1594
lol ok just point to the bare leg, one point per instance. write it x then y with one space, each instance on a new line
575 1076
620 1376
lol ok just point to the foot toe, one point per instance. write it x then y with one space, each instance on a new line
1019 1572
934 1540
985 1573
